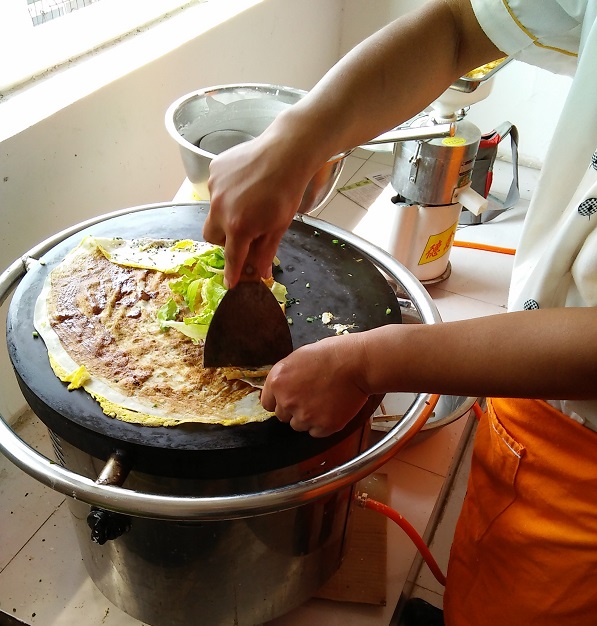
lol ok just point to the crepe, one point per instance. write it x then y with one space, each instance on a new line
110 316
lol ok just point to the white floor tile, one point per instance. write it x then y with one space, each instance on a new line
361 153
342 212
26 503
47 583
450 305
502 178
434 448
478 275
351 165
370 167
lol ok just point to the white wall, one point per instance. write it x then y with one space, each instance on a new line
529 97
362 18
111 151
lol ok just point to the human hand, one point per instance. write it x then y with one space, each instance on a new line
320 387
255 189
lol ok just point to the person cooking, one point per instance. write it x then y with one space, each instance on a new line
525 548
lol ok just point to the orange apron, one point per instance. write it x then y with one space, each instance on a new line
525 547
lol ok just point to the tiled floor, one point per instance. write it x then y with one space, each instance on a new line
42 578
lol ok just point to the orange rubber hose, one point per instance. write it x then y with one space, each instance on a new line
483 246
477 410
374 505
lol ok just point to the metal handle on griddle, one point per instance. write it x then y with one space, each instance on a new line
108 525
141 504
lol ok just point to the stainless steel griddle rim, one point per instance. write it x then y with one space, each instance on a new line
149 505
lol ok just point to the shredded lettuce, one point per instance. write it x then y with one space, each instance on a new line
167 312
201 286
279 290
197 332
195 272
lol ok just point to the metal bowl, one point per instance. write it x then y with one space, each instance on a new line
209 121
447 410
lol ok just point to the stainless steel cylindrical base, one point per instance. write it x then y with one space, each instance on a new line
241 571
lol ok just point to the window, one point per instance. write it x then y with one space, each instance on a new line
33 41
45 10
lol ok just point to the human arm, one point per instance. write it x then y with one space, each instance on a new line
548 354
256 187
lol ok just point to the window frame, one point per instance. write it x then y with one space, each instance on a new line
35 50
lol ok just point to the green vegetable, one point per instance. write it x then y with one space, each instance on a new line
280 292
197 332
201 286
167 312
194 272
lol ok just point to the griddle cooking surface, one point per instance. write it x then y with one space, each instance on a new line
321 275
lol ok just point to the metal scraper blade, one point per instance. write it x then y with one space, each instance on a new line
248 329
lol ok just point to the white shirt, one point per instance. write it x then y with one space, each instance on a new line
556 260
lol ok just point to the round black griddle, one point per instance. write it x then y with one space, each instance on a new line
321 274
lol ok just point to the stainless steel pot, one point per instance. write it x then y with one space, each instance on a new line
208 121
242 571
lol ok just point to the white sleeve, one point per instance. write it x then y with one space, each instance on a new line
545 33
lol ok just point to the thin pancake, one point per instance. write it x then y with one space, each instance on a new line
99 322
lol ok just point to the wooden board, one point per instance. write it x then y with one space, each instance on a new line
362 575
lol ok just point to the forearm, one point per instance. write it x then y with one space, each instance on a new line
257 187
549 354
387 79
